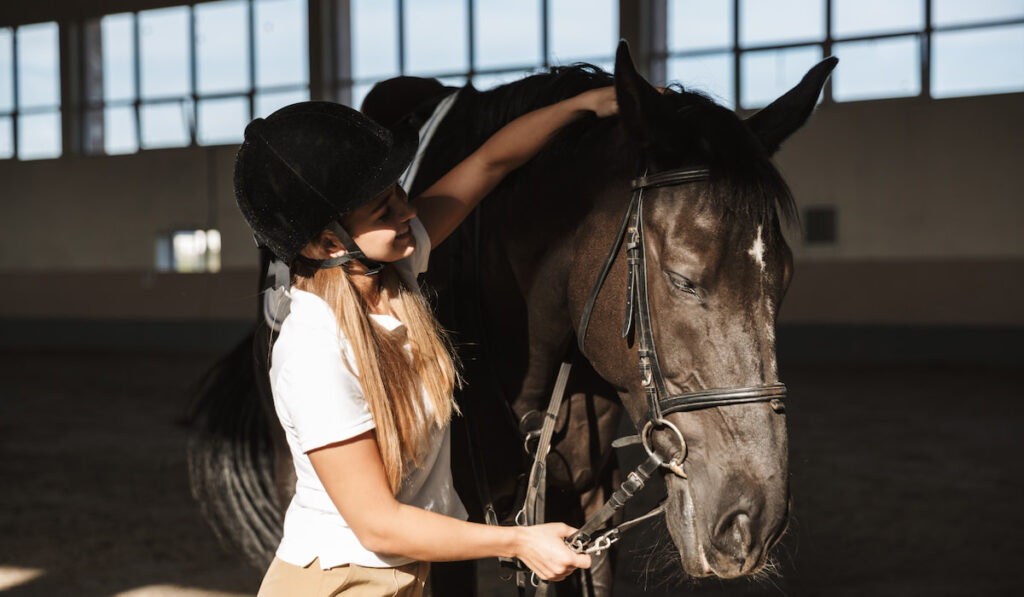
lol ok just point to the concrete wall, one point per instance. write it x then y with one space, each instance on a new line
927 193
930 212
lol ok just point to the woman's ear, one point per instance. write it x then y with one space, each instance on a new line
331 244
325 245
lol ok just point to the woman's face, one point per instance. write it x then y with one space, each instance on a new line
381 227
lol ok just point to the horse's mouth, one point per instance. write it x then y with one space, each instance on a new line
681 517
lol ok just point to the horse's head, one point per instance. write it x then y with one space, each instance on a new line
717 267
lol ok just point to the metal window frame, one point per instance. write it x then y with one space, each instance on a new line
193 97
17 110
342 86
662 53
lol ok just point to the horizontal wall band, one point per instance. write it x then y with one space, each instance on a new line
797 343
929 293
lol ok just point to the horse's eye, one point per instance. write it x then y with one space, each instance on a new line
682 283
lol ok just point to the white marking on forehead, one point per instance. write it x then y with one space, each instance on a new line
770 334
757 250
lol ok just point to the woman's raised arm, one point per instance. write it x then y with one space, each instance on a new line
444 205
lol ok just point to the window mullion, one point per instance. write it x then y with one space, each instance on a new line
252 59
194 76
401 36
926 52
736 53
15 100
545 37
470 43
137 67
826 48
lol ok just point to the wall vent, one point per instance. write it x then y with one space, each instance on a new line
819 225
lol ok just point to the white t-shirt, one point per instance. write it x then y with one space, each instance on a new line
319 401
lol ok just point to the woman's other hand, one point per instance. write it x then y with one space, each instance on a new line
542 548
601 101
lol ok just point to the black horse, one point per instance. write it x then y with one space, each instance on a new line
512 284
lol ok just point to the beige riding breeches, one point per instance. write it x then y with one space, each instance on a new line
288 580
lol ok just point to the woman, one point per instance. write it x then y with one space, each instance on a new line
362 375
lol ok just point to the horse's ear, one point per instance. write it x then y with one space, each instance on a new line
636 97
781 118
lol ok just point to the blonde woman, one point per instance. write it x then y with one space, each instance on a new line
362 375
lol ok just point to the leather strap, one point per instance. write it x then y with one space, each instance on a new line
533 506
671 178
352 251
627 489
581 333
700 399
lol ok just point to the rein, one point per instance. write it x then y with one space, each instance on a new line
660 402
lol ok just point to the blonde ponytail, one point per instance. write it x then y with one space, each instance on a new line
390 379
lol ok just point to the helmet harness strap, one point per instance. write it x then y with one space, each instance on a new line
352 251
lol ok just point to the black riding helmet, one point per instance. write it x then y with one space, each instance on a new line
308 164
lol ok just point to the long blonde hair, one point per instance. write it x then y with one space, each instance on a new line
390 380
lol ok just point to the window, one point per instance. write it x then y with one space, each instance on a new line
861 78
852 18
700 40
775 22
884 46
488 42
958 12
30 108
978 61
767 74
188 251
176 76
582 30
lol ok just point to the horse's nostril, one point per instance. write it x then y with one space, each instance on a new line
734 536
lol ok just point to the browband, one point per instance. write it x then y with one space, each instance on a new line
671 177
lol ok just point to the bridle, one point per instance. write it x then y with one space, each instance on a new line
660 402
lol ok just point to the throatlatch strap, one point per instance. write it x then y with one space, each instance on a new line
581 334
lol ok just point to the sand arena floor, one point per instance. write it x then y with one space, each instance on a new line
907 481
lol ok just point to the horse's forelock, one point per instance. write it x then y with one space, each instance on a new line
745 183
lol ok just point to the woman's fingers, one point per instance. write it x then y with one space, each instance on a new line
601 101
544 551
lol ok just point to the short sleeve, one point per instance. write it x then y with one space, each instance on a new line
416 263
322 396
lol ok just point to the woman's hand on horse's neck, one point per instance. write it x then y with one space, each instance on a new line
448 201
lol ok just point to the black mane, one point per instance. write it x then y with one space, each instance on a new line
693 131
